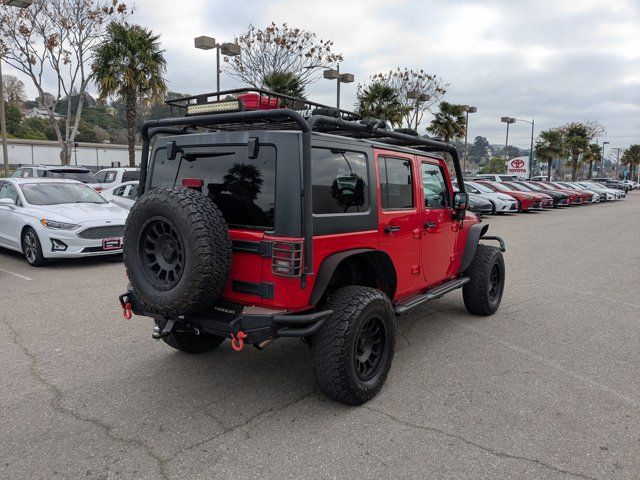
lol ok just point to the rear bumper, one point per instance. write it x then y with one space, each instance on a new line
227 320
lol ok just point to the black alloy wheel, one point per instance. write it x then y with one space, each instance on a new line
162 251
369 345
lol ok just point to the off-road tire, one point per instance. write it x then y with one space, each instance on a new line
35 258
334 347
189 342
201 238
479 298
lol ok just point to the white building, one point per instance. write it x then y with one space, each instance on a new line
41 113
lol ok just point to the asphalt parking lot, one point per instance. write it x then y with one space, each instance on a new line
546 388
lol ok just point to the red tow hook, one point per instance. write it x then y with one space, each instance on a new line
237 342
127 311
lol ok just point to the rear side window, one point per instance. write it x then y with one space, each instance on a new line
110 176
242 188
131 176
339 179
100 176
396 183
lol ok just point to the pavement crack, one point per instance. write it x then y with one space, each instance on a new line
489 450
238 426
56 402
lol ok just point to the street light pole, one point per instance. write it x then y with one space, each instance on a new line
468 110
227 49
602 159
418 97
508 121
3 120
331 74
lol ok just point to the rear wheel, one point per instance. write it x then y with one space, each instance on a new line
32 249
483 293
353 350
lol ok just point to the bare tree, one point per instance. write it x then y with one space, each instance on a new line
406 80
280 49
13 90
53 41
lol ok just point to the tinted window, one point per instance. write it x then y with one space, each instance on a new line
110 176
396 183
17 173
131 176
26 173
83 176
119 191
339 181
100 176
434 186
242 188
41 173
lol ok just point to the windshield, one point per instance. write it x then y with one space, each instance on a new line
480 187
57 193
530 187
500 187
515 186
83 176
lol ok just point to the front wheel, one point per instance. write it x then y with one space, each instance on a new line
483 293
32 249
353 350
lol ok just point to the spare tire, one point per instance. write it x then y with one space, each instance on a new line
177 251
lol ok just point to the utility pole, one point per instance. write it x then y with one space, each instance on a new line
468 110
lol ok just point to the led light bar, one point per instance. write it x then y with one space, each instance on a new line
214 107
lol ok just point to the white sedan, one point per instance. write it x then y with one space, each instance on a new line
56 218
123 195
501 201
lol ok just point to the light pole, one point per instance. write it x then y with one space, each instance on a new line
468 110
331 74
3 120
508 121
418 97
227 49
602 160
532 122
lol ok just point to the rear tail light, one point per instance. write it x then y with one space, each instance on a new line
196 183
98 189
287 259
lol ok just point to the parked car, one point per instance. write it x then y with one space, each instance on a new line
80 174
499 177
616 184
560 199
123 195
116 176
226 245
547 199
575 197
480 205
607 193
599 190
45 218
526 201
501 201
592 197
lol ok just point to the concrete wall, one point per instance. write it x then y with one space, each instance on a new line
91 155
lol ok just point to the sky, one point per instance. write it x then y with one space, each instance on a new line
552 60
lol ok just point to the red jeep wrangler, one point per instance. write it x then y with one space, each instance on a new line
257 221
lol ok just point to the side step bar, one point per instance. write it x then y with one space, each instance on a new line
437 292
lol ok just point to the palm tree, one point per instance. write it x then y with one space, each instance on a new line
449 122
549 145
592 154
130 64
286 83
631 158
577 142
380 101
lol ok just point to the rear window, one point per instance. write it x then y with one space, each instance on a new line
84 176
242 188
131 176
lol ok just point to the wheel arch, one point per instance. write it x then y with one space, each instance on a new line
361 266
475 232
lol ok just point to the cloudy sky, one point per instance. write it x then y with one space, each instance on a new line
555 61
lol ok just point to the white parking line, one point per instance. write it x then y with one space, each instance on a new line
24 277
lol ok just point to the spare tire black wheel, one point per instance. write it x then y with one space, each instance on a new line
177 251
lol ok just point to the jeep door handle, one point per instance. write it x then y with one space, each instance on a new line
429 225
390 229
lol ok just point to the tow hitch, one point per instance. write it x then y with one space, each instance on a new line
237 341
159 333
126 306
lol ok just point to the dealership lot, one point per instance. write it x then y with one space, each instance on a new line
548 387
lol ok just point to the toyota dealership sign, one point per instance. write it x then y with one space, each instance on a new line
518 166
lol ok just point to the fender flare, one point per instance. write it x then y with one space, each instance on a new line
476 231
327 268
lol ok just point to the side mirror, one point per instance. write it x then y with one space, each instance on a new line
461 201
7 202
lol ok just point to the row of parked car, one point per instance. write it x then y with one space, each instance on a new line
498 194
55 212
